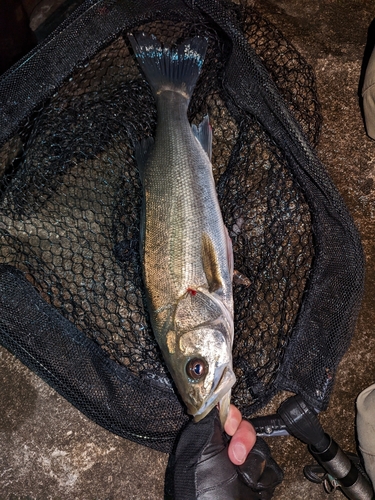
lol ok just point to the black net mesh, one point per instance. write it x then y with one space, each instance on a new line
72 300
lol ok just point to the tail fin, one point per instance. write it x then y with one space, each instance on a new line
170 69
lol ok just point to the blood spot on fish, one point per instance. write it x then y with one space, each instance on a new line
192 291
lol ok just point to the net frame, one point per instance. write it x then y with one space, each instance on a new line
336 282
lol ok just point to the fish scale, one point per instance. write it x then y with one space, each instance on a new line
181 203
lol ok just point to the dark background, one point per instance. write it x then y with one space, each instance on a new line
48 450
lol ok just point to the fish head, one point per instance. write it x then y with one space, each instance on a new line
201 365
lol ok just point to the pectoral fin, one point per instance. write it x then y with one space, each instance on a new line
241 279
211 264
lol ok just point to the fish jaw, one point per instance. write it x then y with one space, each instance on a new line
220 397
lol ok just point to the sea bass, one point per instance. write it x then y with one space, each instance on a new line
185 248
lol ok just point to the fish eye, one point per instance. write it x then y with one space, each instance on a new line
196 369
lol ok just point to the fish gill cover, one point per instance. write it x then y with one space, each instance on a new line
71 294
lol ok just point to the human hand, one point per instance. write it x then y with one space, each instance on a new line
243 436
205 468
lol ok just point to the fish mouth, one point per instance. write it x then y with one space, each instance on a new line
220 395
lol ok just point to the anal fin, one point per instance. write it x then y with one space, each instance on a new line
203 133
142 152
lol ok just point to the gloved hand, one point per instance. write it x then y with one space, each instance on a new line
200 468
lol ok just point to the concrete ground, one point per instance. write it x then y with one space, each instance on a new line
48 450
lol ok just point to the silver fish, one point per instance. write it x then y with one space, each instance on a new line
186 252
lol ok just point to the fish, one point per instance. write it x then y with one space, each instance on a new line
185 249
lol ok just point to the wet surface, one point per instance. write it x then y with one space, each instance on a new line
48 450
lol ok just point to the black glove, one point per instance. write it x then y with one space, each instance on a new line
200 468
